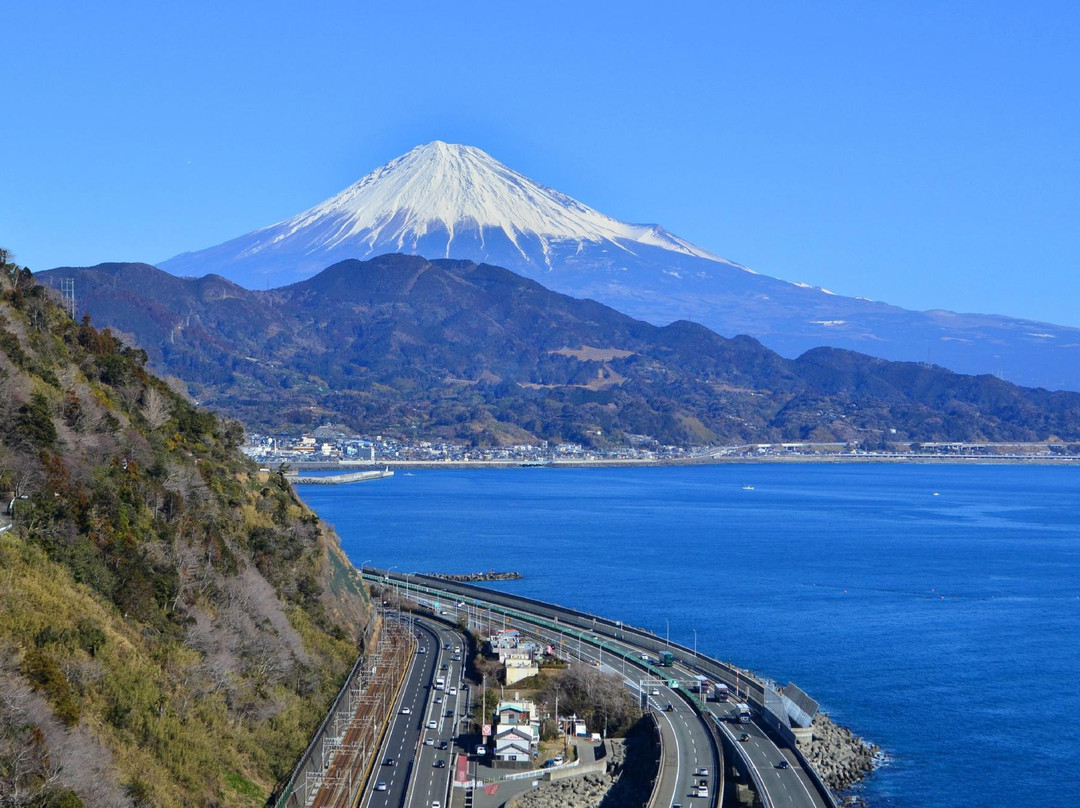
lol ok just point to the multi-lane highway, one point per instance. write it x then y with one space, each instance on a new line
414 766
784 785
690 757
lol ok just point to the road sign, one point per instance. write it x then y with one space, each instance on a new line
487 730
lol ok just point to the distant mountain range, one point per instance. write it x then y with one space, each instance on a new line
449 201
448 348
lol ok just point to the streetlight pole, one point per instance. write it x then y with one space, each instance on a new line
386 578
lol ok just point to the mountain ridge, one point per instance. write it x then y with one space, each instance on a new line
453 349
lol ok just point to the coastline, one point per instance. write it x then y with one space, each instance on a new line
952 460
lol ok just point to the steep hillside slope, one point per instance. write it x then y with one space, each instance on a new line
172 622
402 345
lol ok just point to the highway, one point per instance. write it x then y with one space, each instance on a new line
686 742
790 787
422 728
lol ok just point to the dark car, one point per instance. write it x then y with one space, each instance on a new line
440 764
783 764
670 708
389 762
443 744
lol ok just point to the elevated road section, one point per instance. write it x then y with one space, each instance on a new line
789 784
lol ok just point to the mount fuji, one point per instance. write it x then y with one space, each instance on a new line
443 200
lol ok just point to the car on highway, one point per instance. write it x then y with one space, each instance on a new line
783 764
446 647
421 650
440 764
670 708
406 711
436 804
443 744
380 786
744 737
703 771
389 762
449 713
429 741
453 691
438 699
431 724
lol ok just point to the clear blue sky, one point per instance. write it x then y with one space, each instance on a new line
925 154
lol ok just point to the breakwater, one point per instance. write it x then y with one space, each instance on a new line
490 575
339 479
840 756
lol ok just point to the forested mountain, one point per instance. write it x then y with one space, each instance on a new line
453 349
173 623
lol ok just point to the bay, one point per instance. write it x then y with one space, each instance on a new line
933 609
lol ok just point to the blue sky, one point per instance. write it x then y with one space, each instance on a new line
925 154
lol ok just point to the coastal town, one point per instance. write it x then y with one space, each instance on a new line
329 446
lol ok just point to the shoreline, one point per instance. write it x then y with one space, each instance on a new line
944 460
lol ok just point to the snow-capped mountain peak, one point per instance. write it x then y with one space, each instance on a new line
448 188
440 200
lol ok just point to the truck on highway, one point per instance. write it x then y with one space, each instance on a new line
721 692
667 659
742 711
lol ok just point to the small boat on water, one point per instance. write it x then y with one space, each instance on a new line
748 488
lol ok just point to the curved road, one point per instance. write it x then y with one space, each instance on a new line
784 788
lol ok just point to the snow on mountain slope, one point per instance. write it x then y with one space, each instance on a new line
441 187
450 201
440 200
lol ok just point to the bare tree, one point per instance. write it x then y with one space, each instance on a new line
156 408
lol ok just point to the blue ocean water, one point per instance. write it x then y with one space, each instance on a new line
945 628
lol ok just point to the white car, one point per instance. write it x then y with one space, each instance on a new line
431 724
380 786
453 691
436 804
406 711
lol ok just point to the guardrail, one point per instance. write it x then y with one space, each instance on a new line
819 783
659 739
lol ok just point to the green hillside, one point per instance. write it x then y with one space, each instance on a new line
173 623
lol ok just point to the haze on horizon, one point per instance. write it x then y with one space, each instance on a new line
923 156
